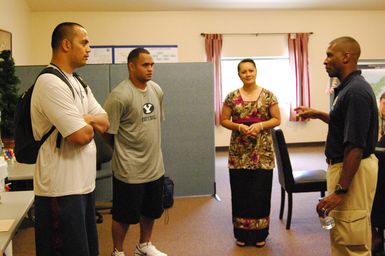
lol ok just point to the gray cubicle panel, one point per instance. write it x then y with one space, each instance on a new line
98 79
188 131
27 76
96 76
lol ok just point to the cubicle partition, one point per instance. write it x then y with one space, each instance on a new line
188 131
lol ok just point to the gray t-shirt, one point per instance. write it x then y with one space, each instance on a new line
135 119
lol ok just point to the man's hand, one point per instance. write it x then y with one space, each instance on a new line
89 119
99 122
329 203
306 113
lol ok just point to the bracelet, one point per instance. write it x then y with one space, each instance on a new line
261 125
239 127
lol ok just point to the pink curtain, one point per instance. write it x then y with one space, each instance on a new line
298 59
213 44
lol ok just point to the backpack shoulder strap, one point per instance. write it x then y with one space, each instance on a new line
56 72
45 136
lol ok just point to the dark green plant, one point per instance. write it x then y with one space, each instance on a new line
8 93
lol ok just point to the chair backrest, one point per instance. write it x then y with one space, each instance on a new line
285 171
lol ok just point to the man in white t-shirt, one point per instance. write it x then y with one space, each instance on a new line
136 112
64 179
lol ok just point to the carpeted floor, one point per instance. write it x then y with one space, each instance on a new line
201 226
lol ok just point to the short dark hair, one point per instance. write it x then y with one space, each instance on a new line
62 31
134 54
245 61
348 44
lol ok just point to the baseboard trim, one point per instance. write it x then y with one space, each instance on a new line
222 148
307 144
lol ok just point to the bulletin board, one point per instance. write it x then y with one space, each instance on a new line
5 40
117 54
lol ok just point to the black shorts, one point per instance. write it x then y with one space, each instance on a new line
66 225
130 201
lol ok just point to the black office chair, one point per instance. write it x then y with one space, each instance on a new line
103 174
297 181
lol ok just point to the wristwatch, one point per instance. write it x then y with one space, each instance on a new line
339 190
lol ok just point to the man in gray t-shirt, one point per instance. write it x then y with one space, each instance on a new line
135 112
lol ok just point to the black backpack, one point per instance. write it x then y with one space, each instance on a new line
168 193
26 147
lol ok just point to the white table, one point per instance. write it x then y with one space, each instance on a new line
14 205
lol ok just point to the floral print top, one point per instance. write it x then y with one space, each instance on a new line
245 151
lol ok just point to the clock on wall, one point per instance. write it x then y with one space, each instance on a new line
5 40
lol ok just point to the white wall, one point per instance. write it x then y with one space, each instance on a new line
15 17
184 28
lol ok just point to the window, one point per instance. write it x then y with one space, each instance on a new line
374 73
272 74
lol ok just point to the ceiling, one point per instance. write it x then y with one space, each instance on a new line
201 5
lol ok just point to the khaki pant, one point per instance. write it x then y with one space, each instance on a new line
352 234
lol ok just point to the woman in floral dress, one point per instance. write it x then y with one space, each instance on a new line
250 112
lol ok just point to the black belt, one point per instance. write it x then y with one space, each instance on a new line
337 160
332 161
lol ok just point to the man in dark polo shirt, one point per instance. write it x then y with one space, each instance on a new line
352 136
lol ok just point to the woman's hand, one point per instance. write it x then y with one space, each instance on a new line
244 129
252 130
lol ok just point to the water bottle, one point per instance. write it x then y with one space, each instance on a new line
327 222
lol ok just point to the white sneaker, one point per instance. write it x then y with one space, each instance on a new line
117 253
147 249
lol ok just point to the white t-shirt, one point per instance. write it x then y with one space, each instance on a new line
70 169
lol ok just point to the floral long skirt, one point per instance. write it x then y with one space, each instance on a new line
250 199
